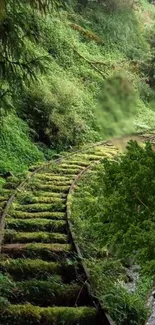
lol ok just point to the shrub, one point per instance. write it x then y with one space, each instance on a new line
57 113
17 150
113 218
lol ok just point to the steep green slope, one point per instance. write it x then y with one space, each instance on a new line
95 83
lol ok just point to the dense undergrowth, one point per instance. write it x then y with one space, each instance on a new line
95 79
113 216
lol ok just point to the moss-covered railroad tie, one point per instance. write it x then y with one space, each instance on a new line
47 284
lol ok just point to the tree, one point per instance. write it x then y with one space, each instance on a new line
20 28
127 208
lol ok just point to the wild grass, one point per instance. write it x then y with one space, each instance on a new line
114 234
92 90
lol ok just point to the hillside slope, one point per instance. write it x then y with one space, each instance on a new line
97 81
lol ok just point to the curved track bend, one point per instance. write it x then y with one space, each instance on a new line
39 252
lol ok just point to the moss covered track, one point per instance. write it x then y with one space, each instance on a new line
48 282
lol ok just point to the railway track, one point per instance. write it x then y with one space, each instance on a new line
39 255
48 278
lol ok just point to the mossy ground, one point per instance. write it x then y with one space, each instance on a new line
29 313
35 224
20 269
45 214
40 207
46 293
53 252
28 237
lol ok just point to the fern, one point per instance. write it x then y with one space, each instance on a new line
20 28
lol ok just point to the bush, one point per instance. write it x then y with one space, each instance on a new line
57 114
17 150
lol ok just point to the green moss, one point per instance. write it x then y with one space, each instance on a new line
51 177
7 191
2 204
3 198
33 168
28 237
44 199
46 293
105 149
53 182
38 207
10 186
29 314
57 173
95 157
79 162
46 215
38 194
49 194
12 182
21 314
53 252
103 154
65 171
24 197
30 198
54 188
35 225
89 157
68 170
2 182
36 268
71 166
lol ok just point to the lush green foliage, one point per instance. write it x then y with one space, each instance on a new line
55 315
69 75
113 218
73 76
16 148
128 210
